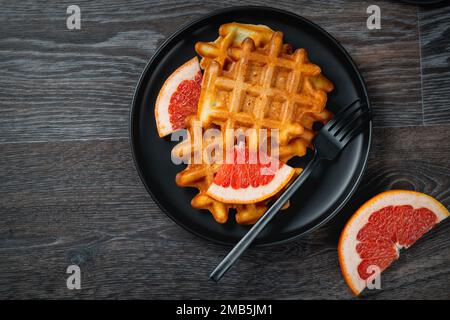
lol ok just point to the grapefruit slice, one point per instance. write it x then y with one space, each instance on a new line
178 98
382 226
244 182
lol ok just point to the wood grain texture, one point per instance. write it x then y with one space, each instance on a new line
81 202
69 192
435 34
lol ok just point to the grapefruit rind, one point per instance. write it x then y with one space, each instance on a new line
349 259
251 194
187 71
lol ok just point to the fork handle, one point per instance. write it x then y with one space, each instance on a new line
250 236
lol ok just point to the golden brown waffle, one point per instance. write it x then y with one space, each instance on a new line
258 84
231 34
200 175
263 89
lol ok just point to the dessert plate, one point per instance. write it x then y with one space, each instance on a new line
325 192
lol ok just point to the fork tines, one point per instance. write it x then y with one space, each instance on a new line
347 123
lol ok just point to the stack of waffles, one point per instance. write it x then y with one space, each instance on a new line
252 80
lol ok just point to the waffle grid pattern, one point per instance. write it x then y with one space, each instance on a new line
251 81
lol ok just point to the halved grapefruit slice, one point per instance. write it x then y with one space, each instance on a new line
178 98
385 224
244 182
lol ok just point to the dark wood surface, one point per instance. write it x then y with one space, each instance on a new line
69 192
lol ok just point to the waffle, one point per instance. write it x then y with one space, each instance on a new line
231 34
252 80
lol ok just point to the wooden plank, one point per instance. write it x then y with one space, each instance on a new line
58 84
434 31
81 202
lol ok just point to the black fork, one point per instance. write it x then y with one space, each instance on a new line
328 143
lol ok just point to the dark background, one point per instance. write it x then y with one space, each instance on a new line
70 194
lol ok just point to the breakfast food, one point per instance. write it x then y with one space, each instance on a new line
385 224
231 35
246 182
178 98
252 82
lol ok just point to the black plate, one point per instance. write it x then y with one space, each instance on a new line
325 192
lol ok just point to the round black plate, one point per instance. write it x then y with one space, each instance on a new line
325 192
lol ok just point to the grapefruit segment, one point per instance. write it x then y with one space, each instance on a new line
178 98
250 180
382 226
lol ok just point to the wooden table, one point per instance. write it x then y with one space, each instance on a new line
70 194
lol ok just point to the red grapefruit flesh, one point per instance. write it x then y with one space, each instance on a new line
178 98
380 228
243 182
